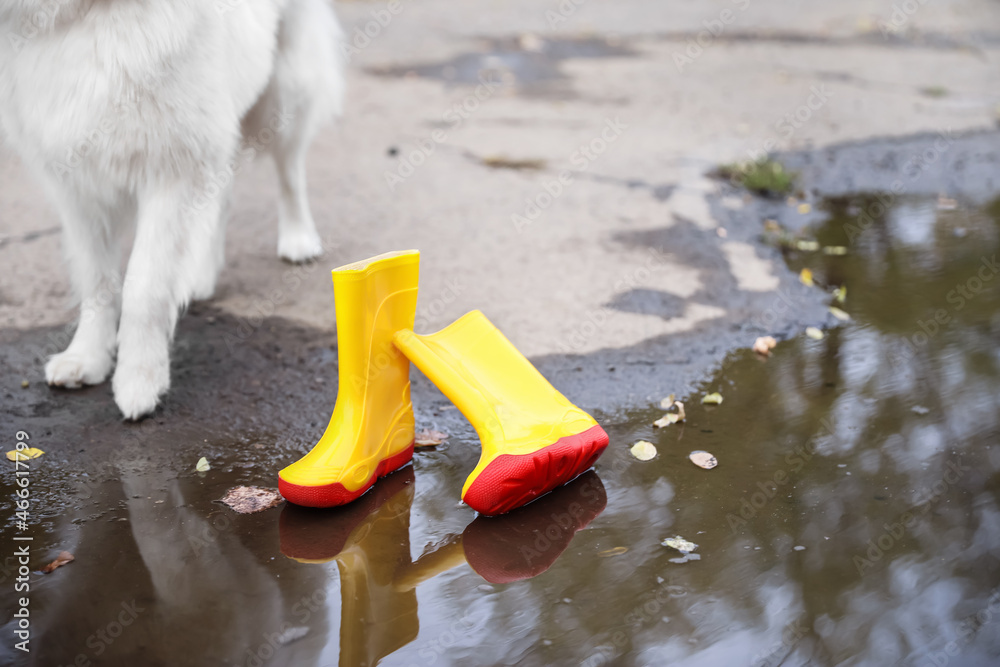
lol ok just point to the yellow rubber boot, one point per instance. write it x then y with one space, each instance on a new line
533 438
371 431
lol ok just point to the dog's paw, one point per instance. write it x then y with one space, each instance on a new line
72 369
299 246
138 388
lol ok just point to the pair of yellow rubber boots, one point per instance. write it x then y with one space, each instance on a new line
533 438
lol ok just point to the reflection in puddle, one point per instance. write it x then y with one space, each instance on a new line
853 517
370 542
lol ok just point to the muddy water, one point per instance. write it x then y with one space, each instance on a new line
853 517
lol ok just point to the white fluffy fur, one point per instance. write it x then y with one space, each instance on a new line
132 112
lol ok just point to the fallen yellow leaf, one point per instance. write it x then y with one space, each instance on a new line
24 454
712 399
804 208
666 420
839 314
835 250
815 333
202 465
840 294
806 246
806 276
643 450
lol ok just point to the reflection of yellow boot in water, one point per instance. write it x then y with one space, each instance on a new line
370 541
519 545
371 431
533 438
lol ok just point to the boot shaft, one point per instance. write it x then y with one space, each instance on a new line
374 299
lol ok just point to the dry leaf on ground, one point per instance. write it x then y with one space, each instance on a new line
607 553
503 162
764 345
703 459
666 420
202 465
668 401
839 314
643 450
679 543
715 398
815 333
429 438
63 558
251 499
806 276
24 454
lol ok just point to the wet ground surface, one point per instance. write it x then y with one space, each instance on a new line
853 517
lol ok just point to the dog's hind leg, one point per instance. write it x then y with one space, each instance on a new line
174 222
91 246
305 91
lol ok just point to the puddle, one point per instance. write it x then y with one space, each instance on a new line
532 64
853 516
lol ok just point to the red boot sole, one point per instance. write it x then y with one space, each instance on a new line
332 495
512 480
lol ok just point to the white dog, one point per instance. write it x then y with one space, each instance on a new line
133 110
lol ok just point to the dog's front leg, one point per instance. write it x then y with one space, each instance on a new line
90 244
172 219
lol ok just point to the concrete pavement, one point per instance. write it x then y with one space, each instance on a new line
625 105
